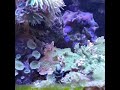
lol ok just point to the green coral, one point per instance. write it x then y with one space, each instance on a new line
68 56
97 48
94 58
75 78
91 57
99 73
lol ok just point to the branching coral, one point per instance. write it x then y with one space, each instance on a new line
94 58
93 63
92 49
82 57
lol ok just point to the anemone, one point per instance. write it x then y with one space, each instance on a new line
52 5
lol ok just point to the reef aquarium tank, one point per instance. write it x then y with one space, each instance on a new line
59 45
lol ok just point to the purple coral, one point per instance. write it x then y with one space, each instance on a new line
79 27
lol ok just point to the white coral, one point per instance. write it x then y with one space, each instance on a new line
74 77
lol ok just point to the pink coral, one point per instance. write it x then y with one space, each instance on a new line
49 47
45 70
48 62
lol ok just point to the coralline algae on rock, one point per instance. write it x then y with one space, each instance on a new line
79 27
